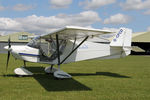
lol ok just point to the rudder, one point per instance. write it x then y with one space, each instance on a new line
123 39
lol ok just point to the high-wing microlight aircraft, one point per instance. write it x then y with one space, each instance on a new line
70 44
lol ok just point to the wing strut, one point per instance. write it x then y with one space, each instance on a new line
74 43
74 49
57 43
59 73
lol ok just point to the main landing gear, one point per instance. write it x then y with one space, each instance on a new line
22 71
57 72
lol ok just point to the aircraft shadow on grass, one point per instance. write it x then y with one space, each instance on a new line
100 73
49 83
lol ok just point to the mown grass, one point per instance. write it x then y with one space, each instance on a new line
117 79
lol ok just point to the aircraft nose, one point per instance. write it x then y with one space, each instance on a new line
6 47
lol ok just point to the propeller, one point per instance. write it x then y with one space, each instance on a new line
8 55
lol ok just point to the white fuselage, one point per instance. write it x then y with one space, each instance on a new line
88 50
24 52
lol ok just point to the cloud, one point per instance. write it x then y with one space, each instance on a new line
22 7
60 3
147 12
41 24
2 8
117 19
94 4
135 4
148 29
8 24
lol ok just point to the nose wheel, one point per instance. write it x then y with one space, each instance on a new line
22 72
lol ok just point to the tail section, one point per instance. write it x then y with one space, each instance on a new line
123 39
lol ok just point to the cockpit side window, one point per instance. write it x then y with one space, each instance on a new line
47 47
35 43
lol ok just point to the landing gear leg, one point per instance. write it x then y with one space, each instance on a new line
22 71
59 73
51 67
50 70
24 63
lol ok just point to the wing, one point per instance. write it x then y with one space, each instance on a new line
71 32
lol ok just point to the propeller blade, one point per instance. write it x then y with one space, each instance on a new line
7 60
8 55
9 45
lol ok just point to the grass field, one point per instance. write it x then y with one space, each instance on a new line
118 79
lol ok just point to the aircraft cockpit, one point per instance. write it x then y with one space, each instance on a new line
35 42
47 47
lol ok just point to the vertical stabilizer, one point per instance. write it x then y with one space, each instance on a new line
123 39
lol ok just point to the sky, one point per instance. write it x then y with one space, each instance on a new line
44 16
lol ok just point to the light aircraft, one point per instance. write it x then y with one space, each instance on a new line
70 44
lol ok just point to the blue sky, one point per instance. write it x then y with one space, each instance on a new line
43 16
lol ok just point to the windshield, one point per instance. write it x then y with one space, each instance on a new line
47 47
35 42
